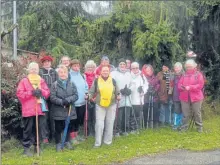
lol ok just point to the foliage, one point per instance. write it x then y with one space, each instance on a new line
124 148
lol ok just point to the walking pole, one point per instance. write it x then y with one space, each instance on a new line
37 128
86 118
67 121
125 115
152 110
142 114
148 112
192 122
116 116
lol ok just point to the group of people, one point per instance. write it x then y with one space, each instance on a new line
114 101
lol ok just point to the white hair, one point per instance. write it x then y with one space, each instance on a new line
191 62
62 67
90 63
134 64
178 64
33 65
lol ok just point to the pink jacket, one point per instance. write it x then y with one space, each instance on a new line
28 101
194 79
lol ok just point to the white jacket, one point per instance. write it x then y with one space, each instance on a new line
136 81
122 79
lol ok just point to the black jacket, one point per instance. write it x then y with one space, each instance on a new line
50 76
57 94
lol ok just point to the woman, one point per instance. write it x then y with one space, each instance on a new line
191 96
178 72
63 96
30 90
104 92
82 88
89 75
123 79
151 97
138 86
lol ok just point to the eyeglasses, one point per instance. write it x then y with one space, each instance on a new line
134 68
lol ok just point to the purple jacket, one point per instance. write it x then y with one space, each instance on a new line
155 85
176 92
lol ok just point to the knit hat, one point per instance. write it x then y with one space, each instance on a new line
121 60
46 58
105 58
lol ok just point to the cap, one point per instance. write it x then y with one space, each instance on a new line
46 58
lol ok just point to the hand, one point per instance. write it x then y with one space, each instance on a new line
65 102
187 88
93 99
118 97
122 91
128 92
37 93
86 96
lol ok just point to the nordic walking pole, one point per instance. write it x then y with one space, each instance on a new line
148 112
37 128
142 114
152 110
133 113
86 117
67 121
116 116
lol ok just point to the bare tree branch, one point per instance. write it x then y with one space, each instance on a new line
5 32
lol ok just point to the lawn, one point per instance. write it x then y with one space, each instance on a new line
124 148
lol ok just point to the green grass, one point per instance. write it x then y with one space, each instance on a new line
124 148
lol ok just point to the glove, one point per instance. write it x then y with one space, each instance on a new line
140 89
122 91
37 93
127 91
65 102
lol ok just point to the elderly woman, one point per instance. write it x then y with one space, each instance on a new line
82 88
138 86
178 73
89 75
104 92
151 97
191 96
30 90
63 96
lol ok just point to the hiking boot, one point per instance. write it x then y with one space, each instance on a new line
69 146
27 152
58 147
200 129
96 147
117 134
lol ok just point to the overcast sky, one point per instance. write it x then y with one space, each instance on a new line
97 7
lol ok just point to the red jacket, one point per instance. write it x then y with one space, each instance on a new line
194 79
28 101
90 77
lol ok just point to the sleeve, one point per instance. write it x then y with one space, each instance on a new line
23 93
145 85
53 97
44 89
180 84
157 85
199 85
117 90
92 89
74 96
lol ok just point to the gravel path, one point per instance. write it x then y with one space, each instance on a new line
180 157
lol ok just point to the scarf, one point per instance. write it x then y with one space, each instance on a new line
90 77
106 91
35 82
64 83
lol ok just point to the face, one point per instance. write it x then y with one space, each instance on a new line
105 62
177 69
165 68
105 72
135 69
75 67
149 71
90 69
63 74
46 64
189 67
65 61
34 69
128 63
122 66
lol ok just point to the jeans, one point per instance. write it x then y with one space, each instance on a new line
166 111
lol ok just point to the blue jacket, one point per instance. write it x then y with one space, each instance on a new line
81 85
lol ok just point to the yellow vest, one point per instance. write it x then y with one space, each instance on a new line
106 90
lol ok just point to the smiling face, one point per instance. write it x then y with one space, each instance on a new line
47 64
105 71
105 62
33 69
149 71
63 73
65 61
177 69
75 67
165 68
122 66
135 69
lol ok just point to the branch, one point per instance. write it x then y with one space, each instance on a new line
5 32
